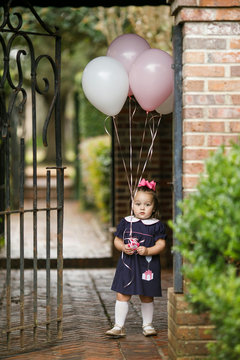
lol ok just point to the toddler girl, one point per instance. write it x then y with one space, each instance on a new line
140 237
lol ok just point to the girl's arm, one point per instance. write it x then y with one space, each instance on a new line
153 250
120 246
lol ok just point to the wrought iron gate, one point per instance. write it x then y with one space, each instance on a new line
16 93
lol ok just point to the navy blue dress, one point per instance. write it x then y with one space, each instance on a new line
136 274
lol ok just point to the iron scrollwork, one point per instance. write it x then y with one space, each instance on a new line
10 31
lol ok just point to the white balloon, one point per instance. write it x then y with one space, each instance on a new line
105 84
167 106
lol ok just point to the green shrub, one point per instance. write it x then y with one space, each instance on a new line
208 231
96 168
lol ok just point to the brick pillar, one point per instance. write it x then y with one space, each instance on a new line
188 333
211 117
211 80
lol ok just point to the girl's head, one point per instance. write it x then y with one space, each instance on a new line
145 202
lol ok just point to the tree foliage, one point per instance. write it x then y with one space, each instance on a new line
153 23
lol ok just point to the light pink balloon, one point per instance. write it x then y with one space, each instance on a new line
151 78
126 48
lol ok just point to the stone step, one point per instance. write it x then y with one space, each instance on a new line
42 182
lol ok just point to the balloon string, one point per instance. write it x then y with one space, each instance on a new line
119 144
122 256
121 153
140 153
127 266
152 129
105 125
135 106
153 132
130 147
131 115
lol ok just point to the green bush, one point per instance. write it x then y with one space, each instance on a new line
208 231
96 168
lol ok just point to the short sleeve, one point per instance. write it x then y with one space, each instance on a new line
120 229
160 231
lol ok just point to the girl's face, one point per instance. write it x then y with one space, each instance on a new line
143 205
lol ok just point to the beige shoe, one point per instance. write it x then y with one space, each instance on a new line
117 331
148 330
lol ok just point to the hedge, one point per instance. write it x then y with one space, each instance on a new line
96 169
208 231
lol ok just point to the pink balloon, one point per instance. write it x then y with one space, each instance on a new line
126 48
151 78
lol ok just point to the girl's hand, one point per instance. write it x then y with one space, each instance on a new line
142 250
127 250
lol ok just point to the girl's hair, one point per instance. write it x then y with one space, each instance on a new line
146 189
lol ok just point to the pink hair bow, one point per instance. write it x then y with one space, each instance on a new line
151 185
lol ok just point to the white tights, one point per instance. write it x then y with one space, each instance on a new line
121 311
147 312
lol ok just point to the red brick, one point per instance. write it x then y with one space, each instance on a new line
193 57
224 85
195 14
192 113
205 332
193 168
193 140
204 99
224 113
187 348
203 126
212 28
195 154
186 317
193 85
235 99
217 140
228 14
173 356
177 300
235 44
188 182
235 70
224 57
203 71
201 14
189 332
187 337
218 3
234 126
179 3
204 43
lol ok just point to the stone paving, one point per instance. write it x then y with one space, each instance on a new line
88 313
88 302
83 236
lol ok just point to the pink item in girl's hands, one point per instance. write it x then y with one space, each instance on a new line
133 243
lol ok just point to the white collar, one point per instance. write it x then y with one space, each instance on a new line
145 222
